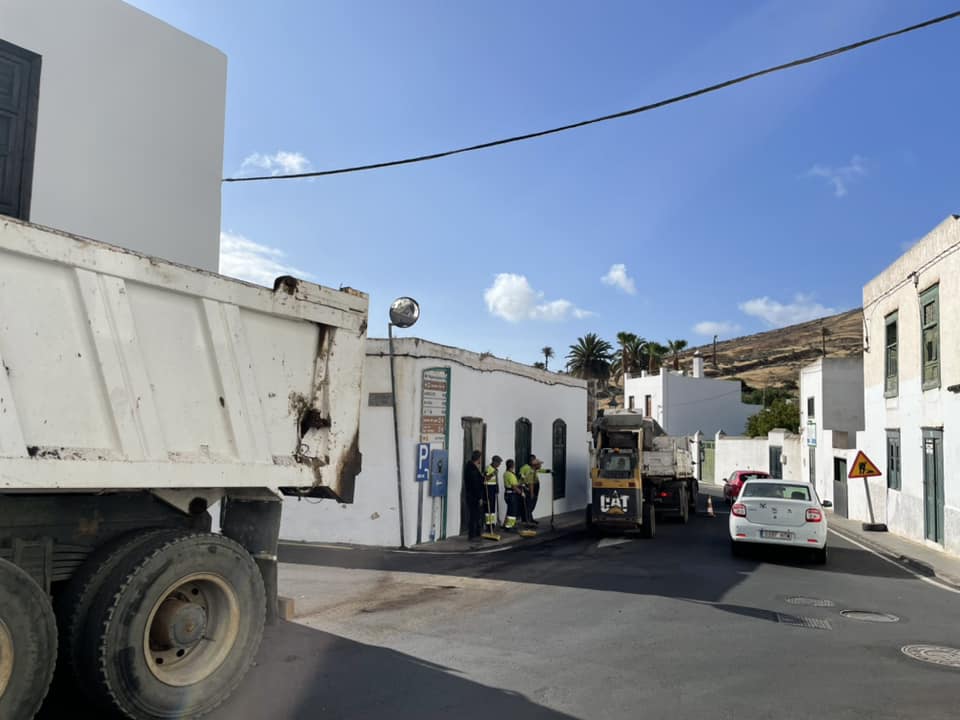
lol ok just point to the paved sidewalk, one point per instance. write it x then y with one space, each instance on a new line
916 556
459 545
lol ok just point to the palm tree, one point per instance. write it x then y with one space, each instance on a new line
624 338
632 356
590 358
655 354
676 347
547 354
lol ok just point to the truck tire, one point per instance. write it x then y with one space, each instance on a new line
28 643
72 604
694 496
174 627
684 506
649 527
591 526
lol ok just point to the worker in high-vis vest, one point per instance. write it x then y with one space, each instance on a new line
511 495
530 485
491 489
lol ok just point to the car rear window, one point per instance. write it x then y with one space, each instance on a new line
753 476
776 490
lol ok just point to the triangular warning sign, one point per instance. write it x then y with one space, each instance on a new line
863 467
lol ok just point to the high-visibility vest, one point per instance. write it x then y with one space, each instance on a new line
510 481
490 475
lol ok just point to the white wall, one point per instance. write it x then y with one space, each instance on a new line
934 259
746 453
704 404
836 385
129 146
684 404
639 388
496 390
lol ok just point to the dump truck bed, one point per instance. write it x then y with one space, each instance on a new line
123 371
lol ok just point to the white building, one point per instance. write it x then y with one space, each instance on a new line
911 386
831 415
684 404
459 401
778 454
115 127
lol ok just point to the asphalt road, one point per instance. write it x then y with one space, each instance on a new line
616 628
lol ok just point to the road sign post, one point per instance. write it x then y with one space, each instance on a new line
863 467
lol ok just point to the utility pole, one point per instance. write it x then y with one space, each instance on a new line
715 365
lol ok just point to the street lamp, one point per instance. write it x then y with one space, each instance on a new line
404 313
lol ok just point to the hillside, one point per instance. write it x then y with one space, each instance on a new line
775 357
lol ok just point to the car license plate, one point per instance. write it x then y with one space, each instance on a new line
776 534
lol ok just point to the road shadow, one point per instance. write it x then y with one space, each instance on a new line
303 674
306 673
843 558
691 562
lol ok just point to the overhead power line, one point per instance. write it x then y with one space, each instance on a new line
614 116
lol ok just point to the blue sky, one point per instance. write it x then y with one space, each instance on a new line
765 204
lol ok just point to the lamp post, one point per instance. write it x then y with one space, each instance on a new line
404 313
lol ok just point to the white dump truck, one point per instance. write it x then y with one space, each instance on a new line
136 395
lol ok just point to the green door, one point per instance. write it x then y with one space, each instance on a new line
933 485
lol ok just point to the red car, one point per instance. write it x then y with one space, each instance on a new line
732 485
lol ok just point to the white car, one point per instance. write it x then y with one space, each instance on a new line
779 512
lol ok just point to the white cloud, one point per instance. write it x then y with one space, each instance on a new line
283 162
777 314
511 298
840 177
617 277
711 328
246 260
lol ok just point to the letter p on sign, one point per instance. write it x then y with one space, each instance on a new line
423 462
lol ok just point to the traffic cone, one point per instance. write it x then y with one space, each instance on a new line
710 507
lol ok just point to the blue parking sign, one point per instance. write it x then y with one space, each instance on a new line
423 462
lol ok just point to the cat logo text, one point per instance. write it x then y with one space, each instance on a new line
615 504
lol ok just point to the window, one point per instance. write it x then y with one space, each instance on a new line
19 96
891 387
522 442
559 459
893 459
648 405
631 402
930 319
811 408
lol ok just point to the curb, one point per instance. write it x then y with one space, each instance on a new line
524 542
917 566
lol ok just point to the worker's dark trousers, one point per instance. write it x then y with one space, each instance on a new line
474 518
514 507
491 504
532 500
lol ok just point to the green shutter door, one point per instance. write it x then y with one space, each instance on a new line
933 485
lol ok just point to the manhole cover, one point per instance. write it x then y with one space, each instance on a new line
813 602
936 654
869 616
804 622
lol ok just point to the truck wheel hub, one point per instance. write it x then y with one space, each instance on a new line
6 657
191 629
178 624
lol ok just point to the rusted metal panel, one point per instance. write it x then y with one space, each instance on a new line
122 371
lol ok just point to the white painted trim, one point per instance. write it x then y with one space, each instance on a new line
32 474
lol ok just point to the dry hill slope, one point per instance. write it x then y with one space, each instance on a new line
775 357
